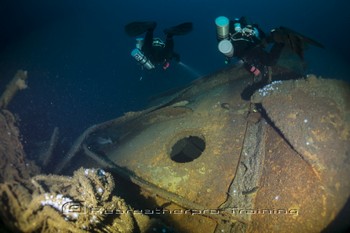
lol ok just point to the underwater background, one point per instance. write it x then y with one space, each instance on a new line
80 68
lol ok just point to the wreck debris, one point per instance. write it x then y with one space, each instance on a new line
33 202
47 156
13 164
128 117
77 145
249 170
74 149
17 83
101 161
255 169
284 169
71 204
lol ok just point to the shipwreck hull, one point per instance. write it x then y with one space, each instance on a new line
275 163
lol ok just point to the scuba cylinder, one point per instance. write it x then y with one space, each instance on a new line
142 59
222 27
226 47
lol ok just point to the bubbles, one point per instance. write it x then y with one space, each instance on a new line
268 89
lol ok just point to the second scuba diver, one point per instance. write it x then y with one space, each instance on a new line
240 39
247 42
151 52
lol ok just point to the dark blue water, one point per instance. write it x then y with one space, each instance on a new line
78 57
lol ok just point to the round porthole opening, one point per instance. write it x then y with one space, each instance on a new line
187 149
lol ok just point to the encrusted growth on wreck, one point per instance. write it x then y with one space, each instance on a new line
34 202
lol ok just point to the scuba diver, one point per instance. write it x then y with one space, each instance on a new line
150 51
240 39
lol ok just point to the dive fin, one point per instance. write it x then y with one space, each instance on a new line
303 38
293 40
178 30
139 27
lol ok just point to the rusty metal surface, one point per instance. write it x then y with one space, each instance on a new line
291 197
285 153
218 116
313 117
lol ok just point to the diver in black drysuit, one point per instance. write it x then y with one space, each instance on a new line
249 48
155 51
249 44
